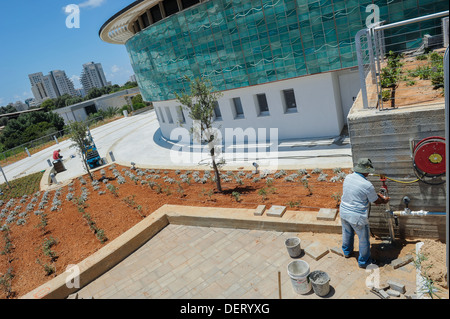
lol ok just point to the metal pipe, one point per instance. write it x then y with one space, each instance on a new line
414 20
418 213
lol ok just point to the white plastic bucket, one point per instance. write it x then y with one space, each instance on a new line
293 246
320 282
298 271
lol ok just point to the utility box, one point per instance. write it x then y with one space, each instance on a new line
59 166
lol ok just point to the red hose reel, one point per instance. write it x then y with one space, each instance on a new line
429 156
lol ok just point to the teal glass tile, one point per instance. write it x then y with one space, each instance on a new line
240 43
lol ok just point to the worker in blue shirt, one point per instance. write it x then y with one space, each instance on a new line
357 193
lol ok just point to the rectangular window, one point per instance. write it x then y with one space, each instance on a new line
217 112
289 100
169 115
262 104
188 3
145 20
181 117
161 115
239 111
156 13
170 7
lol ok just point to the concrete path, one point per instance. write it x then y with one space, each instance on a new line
208 263
137 139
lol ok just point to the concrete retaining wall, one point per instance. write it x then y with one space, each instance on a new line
384 137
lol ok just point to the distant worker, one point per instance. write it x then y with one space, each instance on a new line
57 156
357 193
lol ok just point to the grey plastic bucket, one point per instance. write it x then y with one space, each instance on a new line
320 282
298 271
293 246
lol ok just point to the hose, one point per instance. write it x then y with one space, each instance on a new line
397 181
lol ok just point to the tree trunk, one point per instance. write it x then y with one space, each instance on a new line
86 166
216 171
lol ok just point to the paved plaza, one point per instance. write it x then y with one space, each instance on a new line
207 263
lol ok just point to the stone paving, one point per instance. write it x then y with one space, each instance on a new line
206 263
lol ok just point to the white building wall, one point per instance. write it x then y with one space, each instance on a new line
319 109
349 87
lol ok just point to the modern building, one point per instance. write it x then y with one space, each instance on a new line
288 64
81 111
50 86
92 76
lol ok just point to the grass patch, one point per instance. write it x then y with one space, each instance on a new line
26 185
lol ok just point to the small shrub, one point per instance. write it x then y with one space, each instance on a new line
113 189
263 193
236 195
47 248
269 181
337 197
292 204
49 269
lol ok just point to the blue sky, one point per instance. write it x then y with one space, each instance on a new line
35 39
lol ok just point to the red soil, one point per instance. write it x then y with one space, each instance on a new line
76 241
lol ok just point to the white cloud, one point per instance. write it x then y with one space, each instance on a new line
91 3
75 79
115 69
88 4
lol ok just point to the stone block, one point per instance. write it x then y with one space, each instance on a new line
396 286
399 262
384 294
393 293
337 250
327 214
259 210
316 250
276 211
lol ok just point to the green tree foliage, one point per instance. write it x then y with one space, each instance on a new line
5 110
138 102
78 132
30 126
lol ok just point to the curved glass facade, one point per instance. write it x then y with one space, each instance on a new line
238 43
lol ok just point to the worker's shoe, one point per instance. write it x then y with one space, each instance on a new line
371 262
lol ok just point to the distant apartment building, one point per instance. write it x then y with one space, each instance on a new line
63 84
50 86
92 76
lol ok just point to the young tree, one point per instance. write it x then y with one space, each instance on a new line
200 105
78 133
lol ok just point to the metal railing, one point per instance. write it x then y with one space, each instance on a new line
401 64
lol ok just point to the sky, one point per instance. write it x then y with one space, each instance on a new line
35 38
